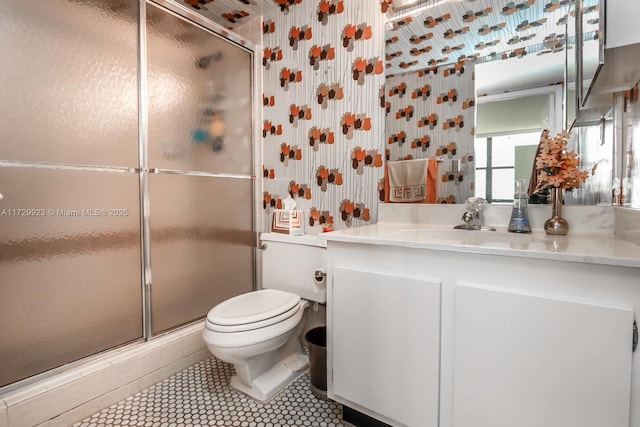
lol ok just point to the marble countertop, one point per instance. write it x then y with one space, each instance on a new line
575 247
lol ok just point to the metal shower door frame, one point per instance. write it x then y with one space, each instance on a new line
187 15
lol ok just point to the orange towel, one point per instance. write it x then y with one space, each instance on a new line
432 180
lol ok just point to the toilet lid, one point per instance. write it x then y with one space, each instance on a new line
252 307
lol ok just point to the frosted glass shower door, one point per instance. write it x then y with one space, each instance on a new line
201 247
200 158
70 264
68 82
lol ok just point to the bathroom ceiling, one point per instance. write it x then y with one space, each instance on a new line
233 13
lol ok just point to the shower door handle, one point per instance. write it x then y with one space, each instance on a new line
197 173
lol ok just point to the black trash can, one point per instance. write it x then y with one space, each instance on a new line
316 339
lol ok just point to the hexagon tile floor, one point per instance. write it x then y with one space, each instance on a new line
200 396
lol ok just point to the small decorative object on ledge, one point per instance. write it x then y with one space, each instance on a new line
557 170
556 225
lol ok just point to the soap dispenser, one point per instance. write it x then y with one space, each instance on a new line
519 222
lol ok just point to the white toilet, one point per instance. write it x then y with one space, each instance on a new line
260 332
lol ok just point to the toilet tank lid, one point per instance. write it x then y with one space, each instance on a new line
305 239
252 307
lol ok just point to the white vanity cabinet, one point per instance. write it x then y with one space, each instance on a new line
528 361
386 345
434 337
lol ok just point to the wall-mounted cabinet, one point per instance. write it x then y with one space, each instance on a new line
621 23
617 67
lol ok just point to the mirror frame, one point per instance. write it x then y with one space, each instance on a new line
584 86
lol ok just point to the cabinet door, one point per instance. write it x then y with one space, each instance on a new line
532 361
621 27
386 345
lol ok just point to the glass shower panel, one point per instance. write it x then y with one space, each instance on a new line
68 79
70 266
199 98
201 245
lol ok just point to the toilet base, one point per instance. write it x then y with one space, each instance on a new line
275 379
320 394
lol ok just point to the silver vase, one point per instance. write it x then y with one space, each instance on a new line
556 225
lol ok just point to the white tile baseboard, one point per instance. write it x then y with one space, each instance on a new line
86 388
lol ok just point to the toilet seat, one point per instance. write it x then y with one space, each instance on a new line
253 310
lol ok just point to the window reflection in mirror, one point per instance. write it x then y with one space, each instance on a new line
508 128
508 133
500 160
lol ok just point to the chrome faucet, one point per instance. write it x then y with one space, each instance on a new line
471 216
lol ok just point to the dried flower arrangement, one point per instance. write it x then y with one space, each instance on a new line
556 166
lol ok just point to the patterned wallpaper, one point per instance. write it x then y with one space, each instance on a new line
431 113
482 29
323 123
323 130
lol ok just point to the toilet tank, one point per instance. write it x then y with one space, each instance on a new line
289 264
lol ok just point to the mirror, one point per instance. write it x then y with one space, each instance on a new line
516 51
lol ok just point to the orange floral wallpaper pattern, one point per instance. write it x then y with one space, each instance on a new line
431 113
323 125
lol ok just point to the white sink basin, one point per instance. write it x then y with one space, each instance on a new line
469 236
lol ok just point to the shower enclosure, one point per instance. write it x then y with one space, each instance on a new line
126 170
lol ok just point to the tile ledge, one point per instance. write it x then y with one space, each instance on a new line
50 383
